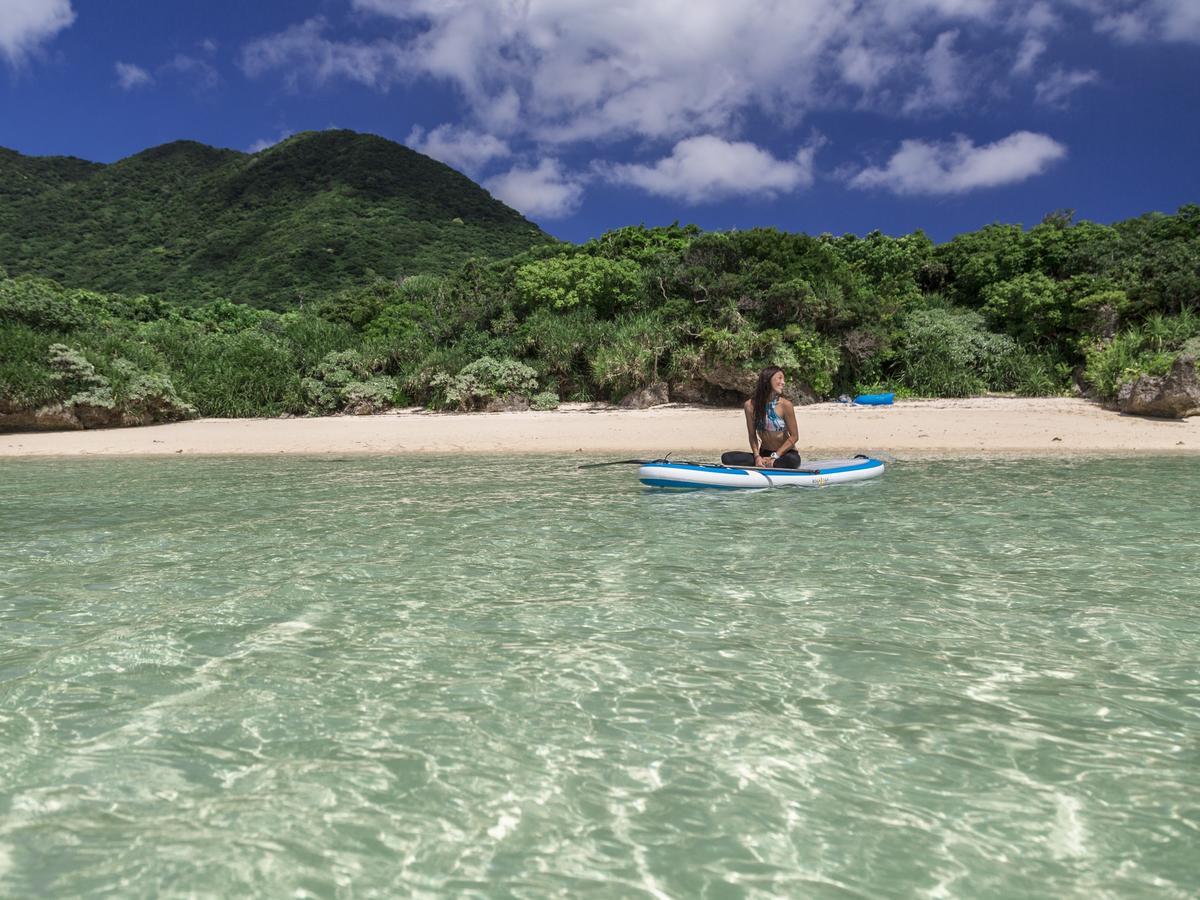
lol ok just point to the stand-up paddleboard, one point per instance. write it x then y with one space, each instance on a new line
817 473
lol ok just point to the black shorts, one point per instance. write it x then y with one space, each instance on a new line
743 458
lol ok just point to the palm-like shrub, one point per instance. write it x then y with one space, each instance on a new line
481 381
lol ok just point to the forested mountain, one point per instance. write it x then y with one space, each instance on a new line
318 212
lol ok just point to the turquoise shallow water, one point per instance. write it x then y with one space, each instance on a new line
388 677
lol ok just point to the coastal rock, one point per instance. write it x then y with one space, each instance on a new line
94 415
704 394
1080 386
1175 395
80 416
61 417
655 394
801 393
716 391
715 385
55 417
739 381
509 403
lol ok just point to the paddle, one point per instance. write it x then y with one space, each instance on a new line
618 462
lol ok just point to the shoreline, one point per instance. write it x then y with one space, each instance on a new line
972 427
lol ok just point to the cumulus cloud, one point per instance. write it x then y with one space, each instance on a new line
959 166
1165 20
464 149
865 67
1128 27
27 24
945 77
561 71
303 52
1056 89
1035 23
130 76
265 143
708 168
691 75
542 192
1030 51
1180 19
202 75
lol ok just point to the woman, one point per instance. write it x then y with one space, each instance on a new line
771 423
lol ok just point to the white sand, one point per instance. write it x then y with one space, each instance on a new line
979 426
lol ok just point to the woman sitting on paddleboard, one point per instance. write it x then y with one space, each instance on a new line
771 423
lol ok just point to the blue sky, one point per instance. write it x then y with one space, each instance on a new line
808 115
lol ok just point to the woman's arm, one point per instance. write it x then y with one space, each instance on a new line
789 418
748 406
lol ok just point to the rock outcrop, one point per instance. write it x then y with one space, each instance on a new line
508 403
54 417
704 394
80 416
1175 395
655 394
723 385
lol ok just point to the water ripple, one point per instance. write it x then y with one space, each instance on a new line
413 677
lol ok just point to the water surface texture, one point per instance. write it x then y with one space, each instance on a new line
388 677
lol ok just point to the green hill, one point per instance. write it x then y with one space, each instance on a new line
318 212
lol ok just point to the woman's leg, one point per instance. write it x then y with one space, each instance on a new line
789 460
737 458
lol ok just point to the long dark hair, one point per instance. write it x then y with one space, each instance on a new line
762 396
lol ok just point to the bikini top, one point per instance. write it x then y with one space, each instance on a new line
772 421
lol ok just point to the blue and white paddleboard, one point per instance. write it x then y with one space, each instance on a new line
664 474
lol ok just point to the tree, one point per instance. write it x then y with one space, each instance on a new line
565 282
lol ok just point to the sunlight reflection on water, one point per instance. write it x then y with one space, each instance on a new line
409 675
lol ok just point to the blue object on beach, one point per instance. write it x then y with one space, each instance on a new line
875 399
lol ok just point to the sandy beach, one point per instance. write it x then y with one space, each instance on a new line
972 427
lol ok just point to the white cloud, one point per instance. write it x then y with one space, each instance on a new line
896 14
1056 89
27 24
464 149
303 52
946 77
958 166
1128 27
130 76
201 74
544 192
864 67
265 143
1037 18
1180 19
1164 20
707 168
1031 49
562 71
692 75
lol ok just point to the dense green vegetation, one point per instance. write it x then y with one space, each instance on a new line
1039 311
280 228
